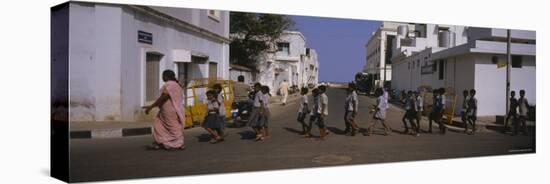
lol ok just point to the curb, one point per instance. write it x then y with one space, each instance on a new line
110 133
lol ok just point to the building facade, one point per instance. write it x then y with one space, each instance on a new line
463 58
379 50
117 54
288 59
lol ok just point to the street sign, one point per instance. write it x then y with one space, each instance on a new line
145 37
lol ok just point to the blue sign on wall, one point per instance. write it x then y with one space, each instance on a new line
145 37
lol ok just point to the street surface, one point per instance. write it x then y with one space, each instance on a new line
124 158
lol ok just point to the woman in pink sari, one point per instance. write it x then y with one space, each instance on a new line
168 125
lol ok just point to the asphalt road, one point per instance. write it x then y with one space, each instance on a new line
124 158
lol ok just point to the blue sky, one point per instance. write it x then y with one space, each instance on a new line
340 44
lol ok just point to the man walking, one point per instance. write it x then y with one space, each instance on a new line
284 91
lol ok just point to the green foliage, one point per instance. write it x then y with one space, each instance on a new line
253 33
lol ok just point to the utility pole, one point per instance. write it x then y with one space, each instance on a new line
385 59
508 72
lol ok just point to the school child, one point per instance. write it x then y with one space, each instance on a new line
212 122
379 113
464 110
324 111
350 107
472 110
438 108
317 113
419 107
265 114
410 112
513 112
219 96
303 110
523 109
255 114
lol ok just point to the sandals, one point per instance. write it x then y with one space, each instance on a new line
216 140
260 138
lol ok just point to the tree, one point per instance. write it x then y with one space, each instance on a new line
252 34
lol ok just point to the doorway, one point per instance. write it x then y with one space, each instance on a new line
152 76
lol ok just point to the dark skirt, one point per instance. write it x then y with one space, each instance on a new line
213 121
259 120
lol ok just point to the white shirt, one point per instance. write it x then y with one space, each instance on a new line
257 98
324 101
265 99
350 100
419 104
386 96
303 103
222 106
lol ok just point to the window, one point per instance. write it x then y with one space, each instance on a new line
441 69
152 76
214 14
213 70
418 63
517 62
283 47
307 51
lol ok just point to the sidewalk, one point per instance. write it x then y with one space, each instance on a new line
93 130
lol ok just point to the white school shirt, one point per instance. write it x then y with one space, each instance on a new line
419 104
222 106
386 96
324 100
303 100
523 106
265 99
350 99
257 98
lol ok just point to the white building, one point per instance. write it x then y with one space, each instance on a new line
464 58
379 50
310 68
117 53
288 60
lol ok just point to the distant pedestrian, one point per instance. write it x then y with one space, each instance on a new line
303 110
213 122
512 112
523 109
472 110
168 124
283 89
379 111
350 107
464 110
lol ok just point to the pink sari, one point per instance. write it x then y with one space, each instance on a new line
168 125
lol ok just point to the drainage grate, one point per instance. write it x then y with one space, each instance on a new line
331 159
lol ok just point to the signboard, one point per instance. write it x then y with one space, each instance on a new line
145 37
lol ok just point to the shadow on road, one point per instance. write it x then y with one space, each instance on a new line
336 130
292 130
247 134
203 137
